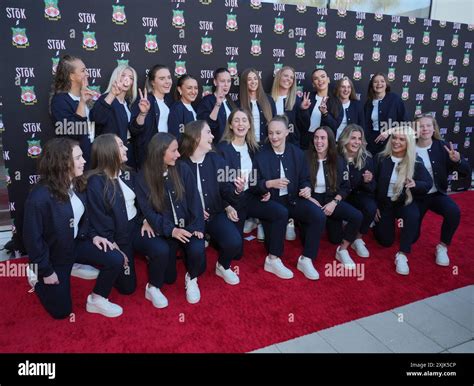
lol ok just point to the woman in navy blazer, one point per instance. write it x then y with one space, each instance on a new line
71 101
352 110
383 110
283 172
288 103
151 111
218 195
252 97
352 147
401 180
216 107
440 160
111 113
115 215
56 234
182 111
239 147
170 201
330 187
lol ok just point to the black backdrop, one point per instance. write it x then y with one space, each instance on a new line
428 60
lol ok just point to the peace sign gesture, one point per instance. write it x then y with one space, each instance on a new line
306 101
453 154
144 104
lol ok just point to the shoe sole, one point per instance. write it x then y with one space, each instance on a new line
281 277
84 276
345 266
260 240
218 273
442 265
193 301
402 273
93 310
306 276
355 250
148 297
290 238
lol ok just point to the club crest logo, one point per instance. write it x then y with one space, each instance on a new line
321 30
455 40
19 38
256 4
151 44
457 127
391 74
122 62
231 23
232 67
89 43
96 92
299 91
179 67
408 56
376 54
342 12
178 18
461 93
450 77
2 126
51 10
28 96
279 26
470 27
300 50
277 67
439 57
434 94
256 48
206 90
442 23
405 93
340 52
412 20
206 45
34 148
471 110
394 35
301 8
422 75
378 16
357 75
55 62
118 14
426 38
8 180
465 61
418 110
467 142
359 35
446 111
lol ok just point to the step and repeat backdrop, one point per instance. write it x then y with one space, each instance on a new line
427 61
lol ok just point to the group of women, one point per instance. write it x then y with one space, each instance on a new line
164 175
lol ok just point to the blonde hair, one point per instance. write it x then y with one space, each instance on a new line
131 94
362 154
406 168
436 133
229 134
291 97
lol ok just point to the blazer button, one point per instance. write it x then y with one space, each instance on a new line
205 194
203 180
177 206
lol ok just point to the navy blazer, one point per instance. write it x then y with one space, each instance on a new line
267 163
443 166
217 189
188 210
204 110
383 171
63 108
354 114
343 186
48 230
358 186
391 107
232 156
296 118
178 118
108 213
263 120
142 134
110 118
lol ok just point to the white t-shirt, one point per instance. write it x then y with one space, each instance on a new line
164 113
89 127
393 177
227 109
316 115
245 162
423 153
129 114
175 216
129 197
280 107
190 108
320 185
256 119
375 115
77 210
283 191
343 124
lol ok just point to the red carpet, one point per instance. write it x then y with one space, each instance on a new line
261 311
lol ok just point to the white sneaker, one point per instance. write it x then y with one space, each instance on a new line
103 306
154 295
342 255
359 247
306 266
442 257
193 295
206 243
276 267
249 225
31 276
229 276
260 233
290 230
401 263
83 271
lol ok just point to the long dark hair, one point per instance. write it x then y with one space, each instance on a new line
333 104
191 137
62 80
180 83
261 96
371 92
154 168
331 159
152 73
218 71
56 165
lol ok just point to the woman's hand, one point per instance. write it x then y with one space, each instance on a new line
51 279
266 197
232 213
328 209
146 228
181 234
306 103
367 175
382 136
279 183
305 192
144 104
102 243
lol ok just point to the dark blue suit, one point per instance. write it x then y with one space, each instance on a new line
178 118
296 122
263 121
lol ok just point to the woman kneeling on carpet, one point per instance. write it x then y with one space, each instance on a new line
440 160
170 201
56 234
401 179
115 215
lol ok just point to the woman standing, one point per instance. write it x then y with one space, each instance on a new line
352 147
182 111
115 215
170 201
150 112
352 111
111 112
440 160
56 234
401 179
